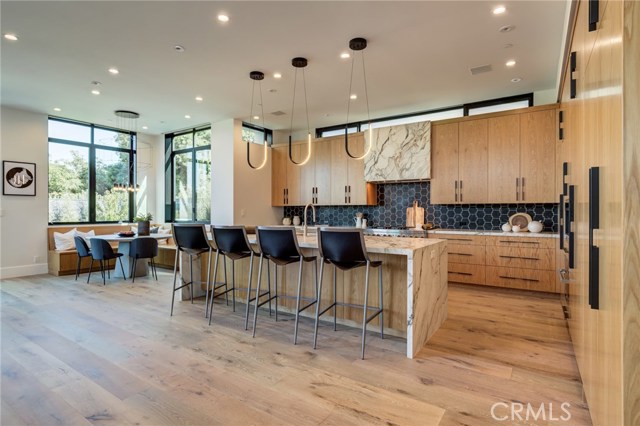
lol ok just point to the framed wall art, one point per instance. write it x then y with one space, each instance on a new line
19 178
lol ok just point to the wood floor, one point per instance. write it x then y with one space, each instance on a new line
80 354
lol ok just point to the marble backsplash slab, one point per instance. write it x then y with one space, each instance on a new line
399 153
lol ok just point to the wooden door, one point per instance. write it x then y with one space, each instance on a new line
444 163
278 176
537 157
504 159
472 162
322 153
339 172
293 175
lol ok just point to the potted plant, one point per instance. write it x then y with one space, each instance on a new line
144 223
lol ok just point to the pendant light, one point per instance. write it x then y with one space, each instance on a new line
300 63
257 76
357 44
127 120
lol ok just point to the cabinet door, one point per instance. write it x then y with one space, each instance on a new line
356 185
322 154
293 175
278 175
504 159
444 163
472 162
537 157
339 173
307 172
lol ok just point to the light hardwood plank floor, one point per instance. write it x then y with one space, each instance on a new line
86 354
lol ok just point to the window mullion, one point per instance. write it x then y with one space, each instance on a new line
92 179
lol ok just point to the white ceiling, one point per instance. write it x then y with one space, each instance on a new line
418 57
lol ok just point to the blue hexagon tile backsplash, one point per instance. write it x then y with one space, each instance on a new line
394 198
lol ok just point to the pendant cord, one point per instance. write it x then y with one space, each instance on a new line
293 103
306 104
366 92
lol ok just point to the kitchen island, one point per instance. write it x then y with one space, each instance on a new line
414 286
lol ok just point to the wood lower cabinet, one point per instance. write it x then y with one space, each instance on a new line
527 263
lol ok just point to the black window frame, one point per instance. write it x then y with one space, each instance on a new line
92 146
267 132
170 204
498 101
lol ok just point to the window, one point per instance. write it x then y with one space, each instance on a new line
85 162
500 104
256 134
188 176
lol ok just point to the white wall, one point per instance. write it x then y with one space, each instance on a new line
147 177
545 97
222 188
23 220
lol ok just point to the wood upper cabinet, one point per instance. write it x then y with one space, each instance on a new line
307 173
504 159
339 171
323 172
444 163
459 162
359 192
472 162
537 157
278 176
293 174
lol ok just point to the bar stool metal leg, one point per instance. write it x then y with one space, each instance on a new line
246 314
381 306
175 275
295 327
213 287
268 284
275 281
191 276
335 299
364 309
255 309
315 329
206 300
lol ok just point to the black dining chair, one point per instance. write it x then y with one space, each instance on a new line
344 248
83 251
191 240
232 242
101 250
143 248
279 245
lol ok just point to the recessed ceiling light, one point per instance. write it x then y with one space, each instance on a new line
178 48
516 80
256 117
277 75
223 18
144 127
11 37
187 116
273 90
56 109
354 96
499 10
510 63
114 71
95 92
506 28
199 99
345 55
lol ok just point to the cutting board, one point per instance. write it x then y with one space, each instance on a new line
415 216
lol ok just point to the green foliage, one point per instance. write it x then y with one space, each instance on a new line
141 217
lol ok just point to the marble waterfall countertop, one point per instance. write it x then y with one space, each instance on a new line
374 244
494 233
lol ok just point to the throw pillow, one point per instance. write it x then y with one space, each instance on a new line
85 235
154 229
64 241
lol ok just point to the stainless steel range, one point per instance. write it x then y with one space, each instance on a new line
396 232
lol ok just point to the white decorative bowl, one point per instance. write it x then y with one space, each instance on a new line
535 226
506 227
515 228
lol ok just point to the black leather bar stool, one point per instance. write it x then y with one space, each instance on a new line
232 242
280 245
344 248
191 239
143 248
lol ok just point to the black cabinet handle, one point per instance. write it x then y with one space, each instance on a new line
519 242
560 128
561 222
462 254
572 69
565 173
594 223
519 279
594 14
460 273
518 257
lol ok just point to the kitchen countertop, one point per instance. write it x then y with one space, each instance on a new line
374 244
494 233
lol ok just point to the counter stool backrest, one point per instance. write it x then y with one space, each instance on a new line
230 239
342 245
81 247
190 236
278 242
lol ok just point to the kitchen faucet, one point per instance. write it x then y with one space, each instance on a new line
313 208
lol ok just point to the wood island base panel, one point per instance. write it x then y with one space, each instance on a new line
414 285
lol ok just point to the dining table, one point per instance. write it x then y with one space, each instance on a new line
124 247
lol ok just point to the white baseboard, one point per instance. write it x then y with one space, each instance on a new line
24 270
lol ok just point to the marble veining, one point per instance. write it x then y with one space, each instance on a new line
399 153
